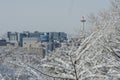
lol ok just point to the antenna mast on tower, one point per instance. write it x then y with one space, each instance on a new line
83 25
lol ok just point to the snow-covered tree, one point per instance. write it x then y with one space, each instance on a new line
98 57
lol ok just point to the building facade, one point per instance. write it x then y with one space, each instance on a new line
52 40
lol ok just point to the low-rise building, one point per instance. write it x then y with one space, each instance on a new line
3 42
27 42
36 47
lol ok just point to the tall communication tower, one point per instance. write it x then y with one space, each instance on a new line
83 25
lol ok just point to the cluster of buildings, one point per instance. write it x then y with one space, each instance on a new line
44 41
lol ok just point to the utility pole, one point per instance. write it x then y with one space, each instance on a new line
83 25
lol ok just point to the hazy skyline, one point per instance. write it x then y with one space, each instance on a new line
46 15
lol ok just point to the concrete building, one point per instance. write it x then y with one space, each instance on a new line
37 48
28 41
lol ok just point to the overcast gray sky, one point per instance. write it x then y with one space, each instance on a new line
46 15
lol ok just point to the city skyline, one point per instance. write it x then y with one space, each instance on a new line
46 15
